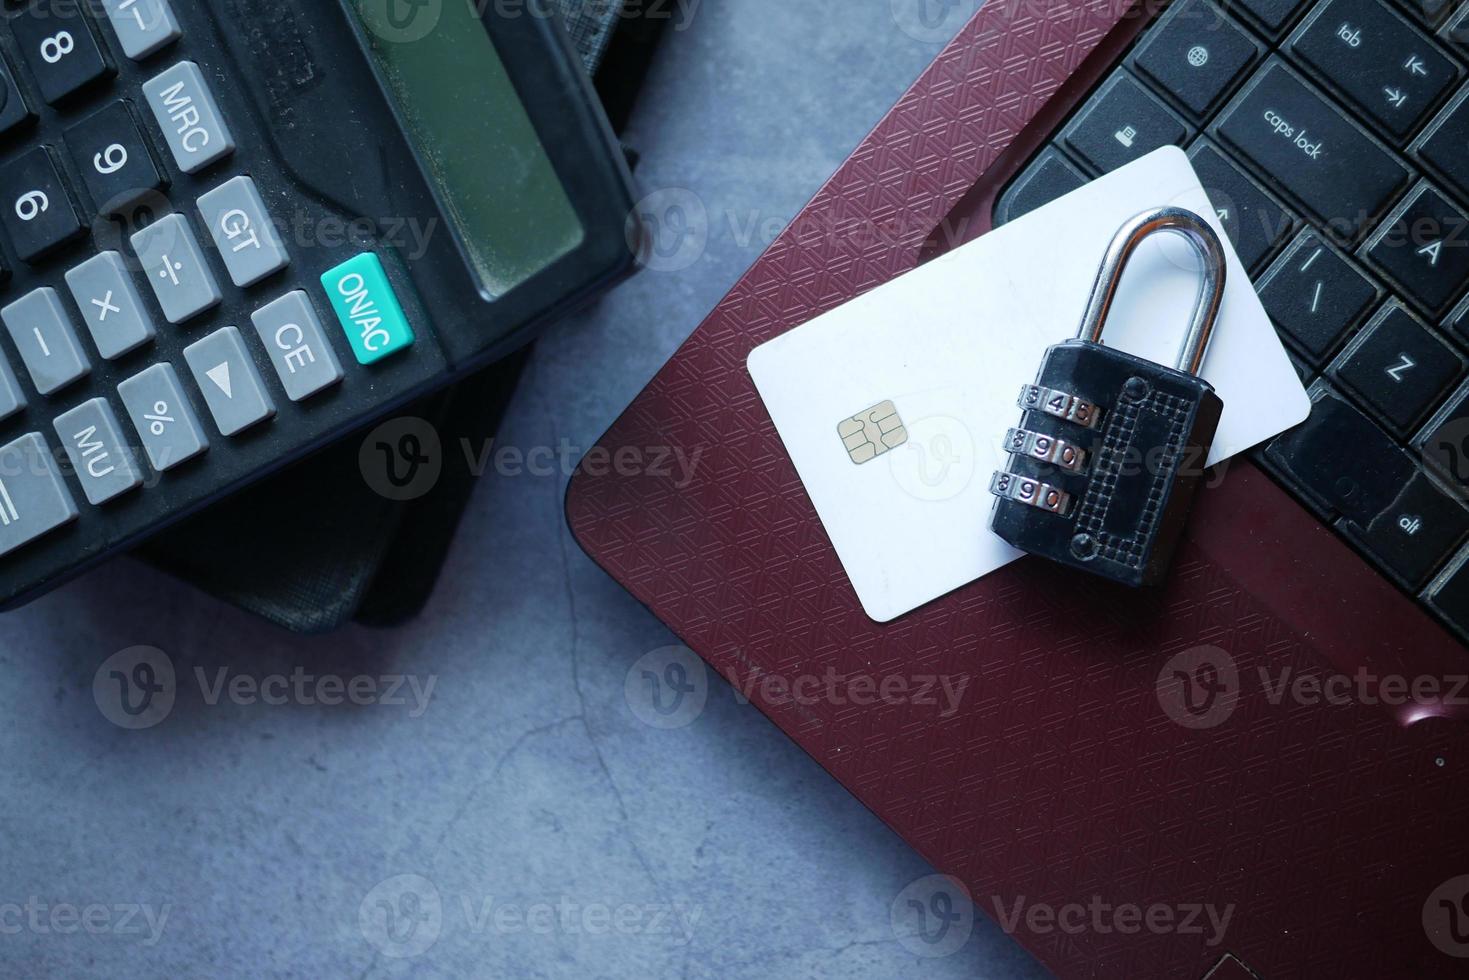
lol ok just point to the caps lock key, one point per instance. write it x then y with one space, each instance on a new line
1290 132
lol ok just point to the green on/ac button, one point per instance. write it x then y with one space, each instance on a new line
367 308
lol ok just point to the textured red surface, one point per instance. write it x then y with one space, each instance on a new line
1060 777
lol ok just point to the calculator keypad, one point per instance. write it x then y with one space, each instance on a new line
12 399
13 108
162 416
243 231
33 498
367 308
36 205
298 348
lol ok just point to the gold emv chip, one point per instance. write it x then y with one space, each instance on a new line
867 435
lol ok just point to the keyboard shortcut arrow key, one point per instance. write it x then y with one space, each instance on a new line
1384 64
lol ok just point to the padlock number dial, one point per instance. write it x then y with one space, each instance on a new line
1061 404
1032 493
1046 448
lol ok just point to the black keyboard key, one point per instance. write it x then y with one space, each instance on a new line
1196 55
1445 446
1412 536
13 108
59 48
1253 220
1314 295
1448 594
1456 324
1383 63
1272 14
1398 367
1048 177
1340 461
1304 371
1424 248
114 158
1121 123
1445 144
1293 134
1430 12
1456 34
36 206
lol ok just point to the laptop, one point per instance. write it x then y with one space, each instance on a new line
1275 739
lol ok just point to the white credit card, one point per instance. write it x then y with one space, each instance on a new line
894 405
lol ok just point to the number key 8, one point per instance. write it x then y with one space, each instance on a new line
57 43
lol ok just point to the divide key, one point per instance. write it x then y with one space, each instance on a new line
1289 131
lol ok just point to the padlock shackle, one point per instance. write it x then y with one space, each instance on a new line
1211 288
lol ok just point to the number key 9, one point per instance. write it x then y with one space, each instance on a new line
112 155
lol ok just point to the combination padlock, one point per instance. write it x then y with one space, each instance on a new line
1111 447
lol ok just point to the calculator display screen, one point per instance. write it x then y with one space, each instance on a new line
487 165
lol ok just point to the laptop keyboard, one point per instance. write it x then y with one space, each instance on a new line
1333 139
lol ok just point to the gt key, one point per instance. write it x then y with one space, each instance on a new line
37 210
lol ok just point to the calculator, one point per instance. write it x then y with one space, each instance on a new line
234 231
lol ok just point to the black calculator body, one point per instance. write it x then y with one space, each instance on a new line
236 230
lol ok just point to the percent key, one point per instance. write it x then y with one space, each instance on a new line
164 419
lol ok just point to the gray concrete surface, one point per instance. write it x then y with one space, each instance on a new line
523 822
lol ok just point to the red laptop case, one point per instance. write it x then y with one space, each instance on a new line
1061 778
